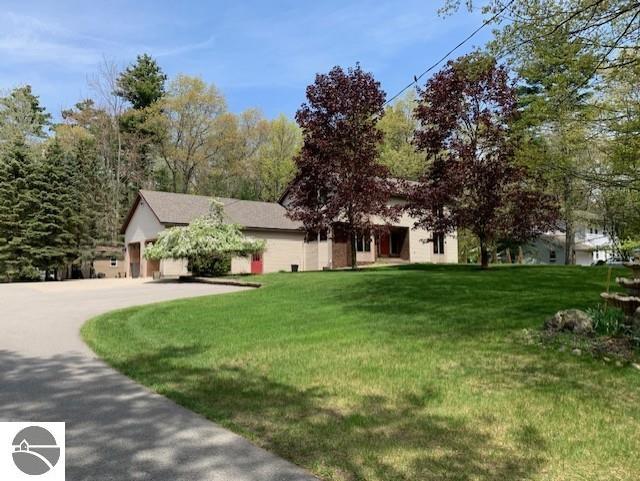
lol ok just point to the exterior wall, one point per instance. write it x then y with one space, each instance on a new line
144 226
104 266
340 254
173 267
367 257
283 249
450 255
584 258
539 252
241 265
311 260
420 250
324 254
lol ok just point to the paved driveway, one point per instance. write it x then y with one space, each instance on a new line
116 429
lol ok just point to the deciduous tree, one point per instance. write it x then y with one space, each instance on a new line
398 151
472 180
184 123
338 174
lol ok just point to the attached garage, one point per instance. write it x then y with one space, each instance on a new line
153 211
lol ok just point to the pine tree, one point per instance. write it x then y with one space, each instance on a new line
53 241
17 206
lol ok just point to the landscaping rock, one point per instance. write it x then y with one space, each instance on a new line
636 366
577 352
573 320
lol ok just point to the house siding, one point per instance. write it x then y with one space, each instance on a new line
311 260
104 266
419 248
143 226
283 248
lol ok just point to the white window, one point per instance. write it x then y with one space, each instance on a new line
113 261
363 243
438 243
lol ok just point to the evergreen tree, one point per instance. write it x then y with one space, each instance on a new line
21 116
49 224
142 83
17 207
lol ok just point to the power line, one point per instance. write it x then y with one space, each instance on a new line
444 57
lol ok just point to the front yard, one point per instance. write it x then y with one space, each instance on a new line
409 373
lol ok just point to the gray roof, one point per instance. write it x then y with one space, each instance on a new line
181 209
559 240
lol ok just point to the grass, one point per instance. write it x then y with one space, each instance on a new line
407 373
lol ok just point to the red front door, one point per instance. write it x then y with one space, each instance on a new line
256 264
384 244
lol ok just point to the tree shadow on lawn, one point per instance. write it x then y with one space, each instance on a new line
371 437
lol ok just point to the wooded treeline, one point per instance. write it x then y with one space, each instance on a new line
552 105
66 186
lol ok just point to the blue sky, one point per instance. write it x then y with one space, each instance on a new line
260 54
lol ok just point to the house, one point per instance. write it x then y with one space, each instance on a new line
103 261
287 244
109 262
592 243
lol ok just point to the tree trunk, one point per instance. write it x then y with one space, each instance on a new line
569 241
354 262
484 255
508 253
520 255
569 238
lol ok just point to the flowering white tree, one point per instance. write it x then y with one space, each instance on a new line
208 243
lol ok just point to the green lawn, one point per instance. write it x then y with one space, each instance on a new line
412 373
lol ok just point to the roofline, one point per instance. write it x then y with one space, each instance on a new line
134 206
285 192
402 195
299 229
242 227
140 196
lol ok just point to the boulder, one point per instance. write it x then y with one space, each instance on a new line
573 320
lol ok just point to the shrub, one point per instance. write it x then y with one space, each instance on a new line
212 266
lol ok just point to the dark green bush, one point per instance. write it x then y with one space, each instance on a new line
210 267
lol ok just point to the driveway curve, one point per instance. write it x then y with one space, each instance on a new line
116 429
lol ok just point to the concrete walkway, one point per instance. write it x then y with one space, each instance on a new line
116 429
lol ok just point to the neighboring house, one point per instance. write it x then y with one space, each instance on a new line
287 244
592 244
109 262
105 261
